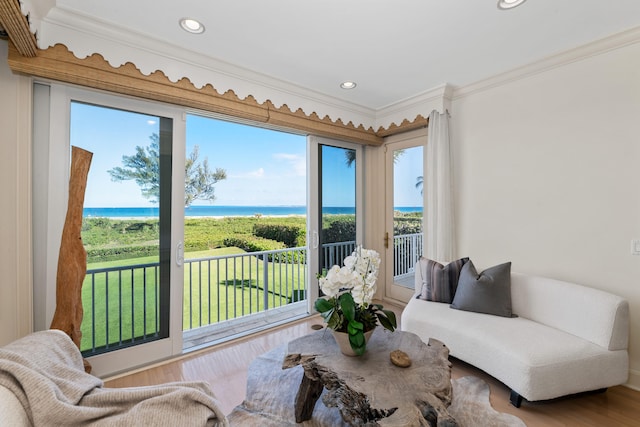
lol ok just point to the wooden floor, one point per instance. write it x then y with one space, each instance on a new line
225 367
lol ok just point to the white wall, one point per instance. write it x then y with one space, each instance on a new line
15 172
547 174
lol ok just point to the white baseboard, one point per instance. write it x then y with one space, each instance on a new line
634 380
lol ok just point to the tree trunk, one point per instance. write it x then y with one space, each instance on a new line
72 260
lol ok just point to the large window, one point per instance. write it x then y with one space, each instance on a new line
245 223
196 227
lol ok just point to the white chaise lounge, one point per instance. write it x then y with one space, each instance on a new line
566 338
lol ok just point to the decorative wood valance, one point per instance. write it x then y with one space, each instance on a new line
57 63
16 25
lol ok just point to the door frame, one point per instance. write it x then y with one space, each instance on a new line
406 140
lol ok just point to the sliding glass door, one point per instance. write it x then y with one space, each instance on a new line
126 225
336 203
130 296
245 229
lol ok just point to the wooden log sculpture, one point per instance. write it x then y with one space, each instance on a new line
72 260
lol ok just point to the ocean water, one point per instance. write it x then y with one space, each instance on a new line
222 211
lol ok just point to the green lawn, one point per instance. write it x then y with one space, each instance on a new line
213 292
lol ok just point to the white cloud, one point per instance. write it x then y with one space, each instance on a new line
297 163
258 173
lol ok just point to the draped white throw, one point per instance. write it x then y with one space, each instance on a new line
439 218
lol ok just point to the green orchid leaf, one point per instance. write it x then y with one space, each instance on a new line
355 327
334 320
358 344
387 319
322 305
348 306
326 315
391 316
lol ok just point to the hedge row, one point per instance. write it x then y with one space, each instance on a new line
292 236
401 228
199 243
124 252
259 244
253 244
341 228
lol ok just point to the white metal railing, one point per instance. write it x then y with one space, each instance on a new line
407 249
230 286
216 289
335 253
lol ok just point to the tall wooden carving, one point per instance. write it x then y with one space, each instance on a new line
72 260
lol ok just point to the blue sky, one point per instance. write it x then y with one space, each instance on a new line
407 168
264 167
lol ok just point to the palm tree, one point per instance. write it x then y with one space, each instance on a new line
351 156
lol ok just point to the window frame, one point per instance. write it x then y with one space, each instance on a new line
51 161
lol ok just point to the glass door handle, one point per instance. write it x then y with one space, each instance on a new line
179 254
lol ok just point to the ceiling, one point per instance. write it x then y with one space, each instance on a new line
393 49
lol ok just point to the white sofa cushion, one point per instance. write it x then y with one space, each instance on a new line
592 314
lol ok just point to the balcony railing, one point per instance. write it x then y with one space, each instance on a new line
121 304
121 307
230 286
334 253
407 249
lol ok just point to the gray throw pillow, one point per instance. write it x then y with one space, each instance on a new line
488 292
439 281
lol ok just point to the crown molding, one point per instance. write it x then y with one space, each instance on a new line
561 59
417 108
36 10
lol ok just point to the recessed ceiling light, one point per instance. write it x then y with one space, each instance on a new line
192 26
348 85
509 4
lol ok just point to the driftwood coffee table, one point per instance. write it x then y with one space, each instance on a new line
369 390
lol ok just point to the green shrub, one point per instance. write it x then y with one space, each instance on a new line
407 223
295 257
118 253
340 228
253 244
210 233
291 235
259 244
89 223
